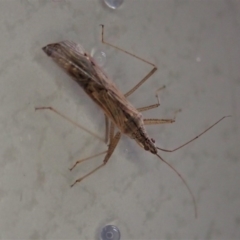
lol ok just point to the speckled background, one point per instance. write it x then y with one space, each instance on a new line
196 46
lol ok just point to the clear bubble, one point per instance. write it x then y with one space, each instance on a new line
99 56
114 4
110 232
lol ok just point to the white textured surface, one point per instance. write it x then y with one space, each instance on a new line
196 45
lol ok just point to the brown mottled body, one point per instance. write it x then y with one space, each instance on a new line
122 114
83 69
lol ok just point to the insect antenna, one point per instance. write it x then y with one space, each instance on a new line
184 182
199 135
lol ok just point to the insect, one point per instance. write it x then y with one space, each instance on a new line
119 112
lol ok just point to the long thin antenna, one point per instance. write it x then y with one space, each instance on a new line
175 149
185 183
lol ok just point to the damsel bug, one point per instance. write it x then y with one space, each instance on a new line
119 112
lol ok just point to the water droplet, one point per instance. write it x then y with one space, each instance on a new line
114 4
99 56
110 232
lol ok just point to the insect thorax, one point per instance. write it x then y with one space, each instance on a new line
137 131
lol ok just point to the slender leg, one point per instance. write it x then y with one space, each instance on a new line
154 121
142 109
122 50
141 82
112 147
70 120
107 128
85 159
133 55
111 134
175 149
110 151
